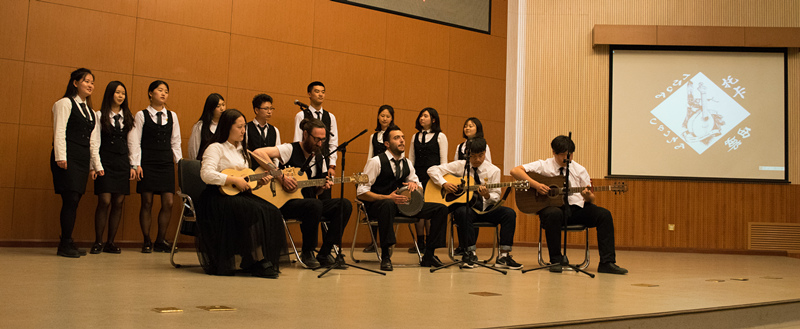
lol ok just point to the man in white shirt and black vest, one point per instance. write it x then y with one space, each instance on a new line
583 209
317 201
316 95
259 132
388 172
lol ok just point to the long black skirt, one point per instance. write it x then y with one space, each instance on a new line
243 224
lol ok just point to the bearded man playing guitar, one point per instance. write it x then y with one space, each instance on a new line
584 211
317 201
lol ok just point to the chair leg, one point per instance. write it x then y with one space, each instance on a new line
291 241
585 263
414 238
451 246
495 245
541 260
175 242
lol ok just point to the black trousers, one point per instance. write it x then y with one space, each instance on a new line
330 213
590 215
308 212
384 212
503 216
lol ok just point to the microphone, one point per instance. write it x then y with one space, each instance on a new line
300 104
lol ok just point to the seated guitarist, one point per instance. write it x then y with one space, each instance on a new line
584 211
482 172
317 201
387 172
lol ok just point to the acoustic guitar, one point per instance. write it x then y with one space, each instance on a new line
530 201
276 195
250 176
437 194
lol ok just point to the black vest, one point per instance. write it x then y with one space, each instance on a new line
377 148
254 139
155 137
79 128
425 156
461 155
386 182
113 140
326 119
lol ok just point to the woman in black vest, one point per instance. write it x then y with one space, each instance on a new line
76 141
428 149
472 129
376 147
241 224
115 122
206 125
155 147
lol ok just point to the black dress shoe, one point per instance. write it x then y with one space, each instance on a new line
97 248
369 248
67 249
111 248
264 269
147 246
162 246
386 264
610 268
431 261
558 268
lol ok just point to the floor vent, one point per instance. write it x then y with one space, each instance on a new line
773 236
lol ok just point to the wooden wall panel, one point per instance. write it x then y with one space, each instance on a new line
238 49
10 90
6 213
9 135
279 20
431 51
344 28
475 96
14 29
108 45
206 14
499 18
178 52
415 87
272 66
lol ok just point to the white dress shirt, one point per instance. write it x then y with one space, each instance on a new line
98 129
286 154
266 133
62 109
218 157
333 141
373 169
135 135
442 140
488 173
197 137
578 176
461 147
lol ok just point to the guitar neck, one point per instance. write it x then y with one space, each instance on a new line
255 177
322 181
494 185
594 189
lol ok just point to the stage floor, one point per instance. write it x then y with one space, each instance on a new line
41 290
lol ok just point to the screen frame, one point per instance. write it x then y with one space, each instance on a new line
487 31
781 50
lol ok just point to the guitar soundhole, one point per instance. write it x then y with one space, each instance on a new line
553 191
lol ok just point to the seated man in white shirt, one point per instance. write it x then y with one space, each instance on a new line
482 172
583 209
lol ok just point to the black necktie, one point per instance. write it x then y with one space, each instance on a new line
477 198
398 172
319 115
116 121
158 118
85 112
263 129
423 137
561 171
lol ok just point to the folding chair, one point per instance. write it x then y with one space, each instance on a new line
363 219
323 224
477 225
190 186
570 228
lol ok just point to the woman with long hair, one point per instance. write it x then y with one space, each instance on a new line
242 224
472 129
155 147
206 125
116 121
428 148
76 140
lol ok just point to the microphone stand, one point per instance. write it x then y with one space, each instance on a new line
465 181
567 213
340 262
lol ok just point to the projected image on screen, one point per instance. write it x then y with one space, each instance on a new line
704 114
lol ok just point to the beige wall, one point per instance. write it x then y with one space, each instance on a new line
238 49
564 86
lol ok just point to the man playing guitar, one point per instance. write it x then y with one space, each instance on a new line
317 201
584 211
481 172
387 172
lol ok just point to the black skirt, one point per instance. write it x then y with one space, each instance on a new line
237 225
74 178
158 172
116 179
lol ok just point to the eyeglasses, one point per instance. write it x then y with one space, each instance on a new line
317 140
267 108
